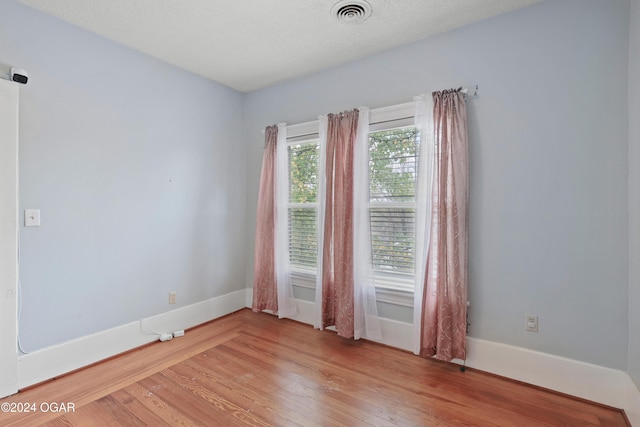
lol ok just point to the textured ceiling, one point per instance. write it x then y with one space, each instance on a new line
251 44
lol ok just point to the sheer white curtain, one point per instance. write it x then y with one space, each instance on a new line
366 322
286 302
425 125
322 198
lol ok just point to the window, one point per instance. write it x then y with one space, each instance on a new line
302 211
393 146
392 183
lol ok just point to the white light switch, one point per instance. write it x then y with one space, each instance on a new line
32 217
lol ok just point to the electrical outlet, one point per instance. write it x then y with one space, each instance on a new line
172 297
531 322
32 217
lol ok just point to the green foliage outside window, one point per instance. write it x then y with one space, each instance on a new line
303 189
303 173
392 165
392 178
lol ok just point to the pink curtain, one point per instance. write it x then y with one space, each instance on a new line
337 265
444 306
265 293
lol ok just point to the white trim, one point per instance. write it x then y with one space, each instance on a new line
302 129
9 97
592 382
301 140
53 361
393 112
394 296
248 298
376 115
631 404
303 279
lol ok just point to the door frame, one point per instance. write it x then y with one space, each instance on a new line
9 98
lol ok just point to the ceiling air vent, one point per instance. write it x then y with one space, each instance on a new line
351 11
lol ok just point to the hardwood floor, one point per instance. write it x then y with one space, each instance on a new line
253 369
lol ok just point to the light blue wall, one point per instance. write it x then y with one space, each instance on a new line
135 166
634 193
137 169
548 139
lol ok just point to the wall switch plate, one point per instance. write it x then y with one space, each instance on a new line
531 322
172 297
32 217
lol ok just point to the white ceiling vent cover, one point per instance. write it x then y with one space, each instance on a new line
351 11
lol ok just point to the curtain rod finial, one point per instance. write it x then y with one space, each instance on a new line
470 91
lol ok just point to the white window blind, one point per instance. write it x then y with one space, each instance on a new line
392 179
303 209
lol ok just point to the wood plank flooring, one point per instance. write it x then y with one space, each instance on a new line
251 369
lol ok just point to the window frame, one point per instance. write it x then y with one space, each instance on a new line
385 118
398 206
301 134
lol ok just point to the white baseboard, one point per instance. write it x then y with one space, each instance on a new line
592 382
596 383
59 359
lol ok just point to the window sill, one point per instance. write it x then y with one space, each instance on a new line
387 292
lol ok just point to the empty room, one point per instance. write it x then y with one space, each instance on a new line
319 213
